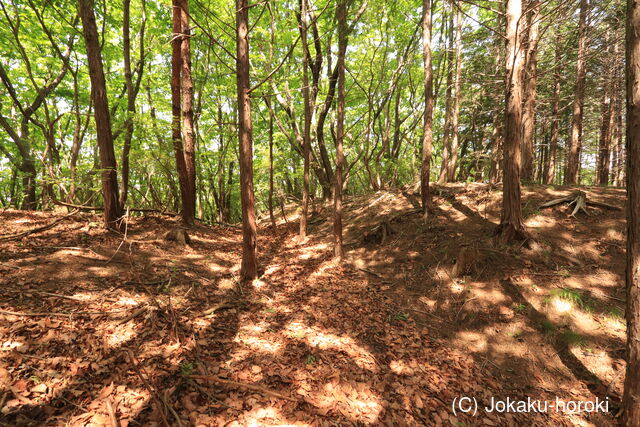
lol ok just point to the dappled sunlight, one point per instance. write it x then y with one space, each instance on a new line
474 341
116 336
561 306
355 401
314 337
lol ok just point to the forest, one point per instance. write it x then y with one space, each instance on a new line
319 212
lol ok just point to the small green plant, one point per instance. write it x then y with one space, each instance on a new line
515 334
269 310
520 308
547 326
311 359
402 317
614 313
573 339
576 298
186 368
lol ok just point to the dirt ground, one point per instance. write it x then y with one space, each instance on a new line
98 328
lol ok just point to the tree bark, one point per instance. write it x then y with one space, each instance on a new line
575 141
452 161
631 398
176 107
112 211
608 116
249 267
511 224
550 169
341 18
496 134
306 136
271 215
427 138
131 103
189 199
531 67
446 139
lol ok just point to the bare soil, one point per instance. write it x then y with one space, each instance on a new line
99 329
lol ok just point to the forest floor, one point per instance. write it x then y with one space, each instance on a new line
99 330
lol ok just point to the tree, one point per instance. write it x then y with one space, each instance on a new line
189 199
341 18
112 210
306 136
531 72
511 224
132 91
446 139
551 160
631 399
452 161
249 266
575 142
425 170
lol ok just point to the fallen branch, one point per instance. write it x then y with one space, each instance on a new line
252 387
38 229
101 208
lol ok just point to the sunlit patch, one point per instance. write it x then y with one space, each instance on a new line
323 341
562 305
258 416
21 221
11 345
258 344
400 367
271 270
456 287
119 336
354 400
83 297
259 284
475 341
614 234
127 301
217 268
225 284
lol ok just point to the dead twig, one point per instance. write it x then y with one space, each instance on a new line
252 387
133 315
154 393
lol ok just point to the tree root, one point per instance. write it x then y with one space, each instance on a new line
579 199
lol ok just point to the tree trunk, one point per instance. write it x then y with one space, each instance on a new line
131 102
427 139
608 116
550 169
575 141
453 151
631 399
176 107
189 199
271 216
112 211
511 224
306 136
341 18
531 67
249 267
446 140
496 134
